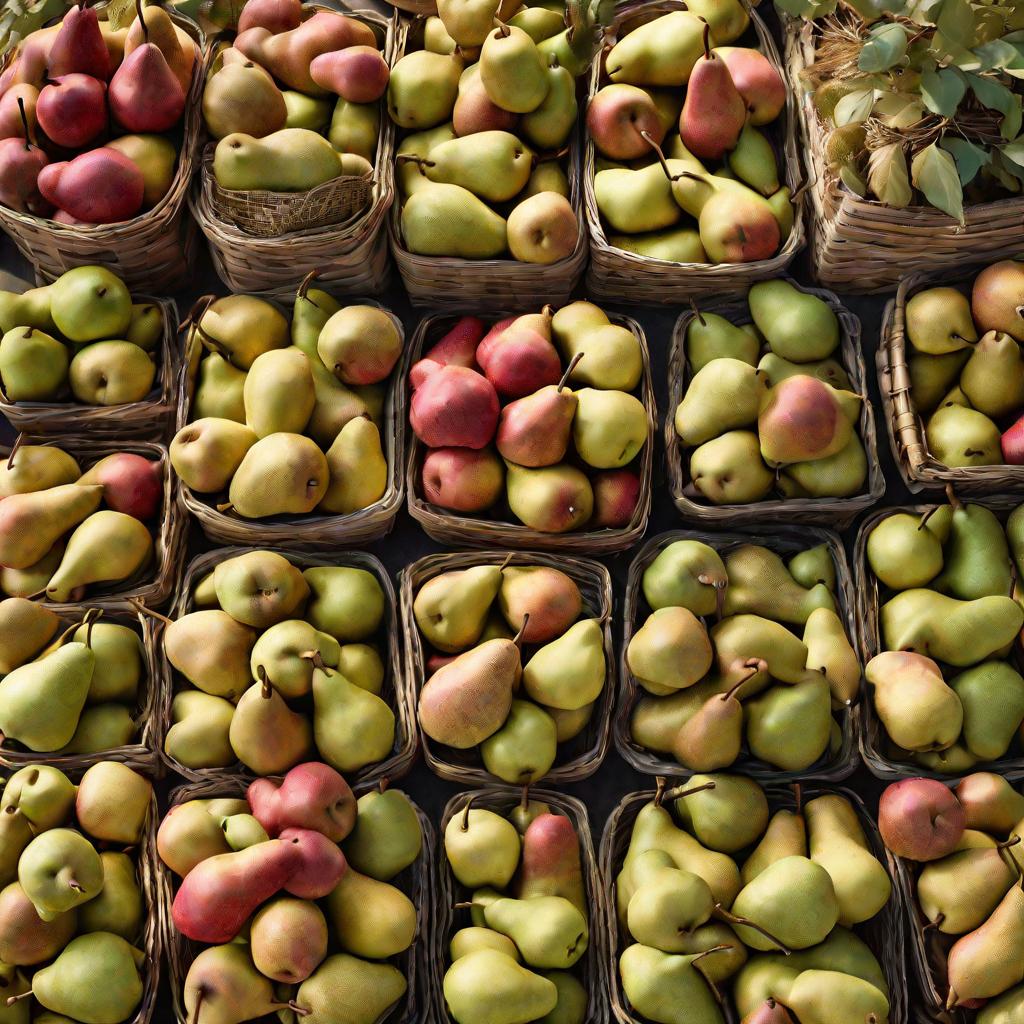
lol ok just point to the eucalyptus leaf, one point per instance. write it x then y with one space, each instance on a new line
854 107
934 172
969 157
887 176
885 48
943 90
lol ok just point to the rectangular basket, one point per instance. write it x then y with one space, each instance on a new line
883 933
616 275
414 881
315 530
918 467
350 255
785 540
446 283
148 419
872 737
861 245
836 512
395 692
447 891
448 527
156 584
586 751
152 252
140 755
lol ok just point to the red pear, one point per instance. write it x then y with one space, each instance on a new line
1012 443
522 362
534 431
311 796
550 861
358 74
462 479
132 484
616 496
79 47
321 864
72 110
619 117
454 407
273 15
756 80
713 113
20 166
456 348
492 337
99 187
920 819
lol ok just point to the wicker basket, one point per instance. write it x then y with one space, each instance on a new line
786 541
349 254
449 527
149 419
314 530
151 252
395 692
140 755
616 275
837 512
860 245
583 755
155 584
447 892
874 743
918 467
883 933
414 881
444 282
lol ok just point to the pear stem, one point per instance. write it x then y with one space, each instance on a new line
306 282
798 796
464 827
383 784
518 638
707 41
659 152
200 995
926 516
143 609
142 20
681 791
17 999
75 886
505 563
301 1011
568 370
191 316
524 801
225 506
934 924
697 313
953 499
17 444
24 122
463 905
268 690
731 918
730 693
503 30
554 154
659 792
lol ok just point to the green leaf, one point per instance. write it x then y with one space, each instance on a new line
898 110
885 48
887 176
969 158
853 180
996 96
943 90
998 54
955 23
934 172
1014 151
854 107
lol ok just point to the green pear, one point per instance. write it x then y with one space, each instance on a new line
798 326
729 470
212 650
278 393
482 848
223 983
660 52
838 844
725 812
957 893
344 601
793 899
198 736
710 336
634 201
487 986
493 165
361 664
352 727
242 831
101 728
118 908
241 327
524 748
42 794
830 652
36 468
569 672
206 454
512 70
30 308
548 126
287 652
548 930
609 354
992 697
831 371
960 437
668 988
760 583
288 160
441 219
789 726
354 127
668 904
671 651
357 467
111 373
976 555
688 573
89 303
265 734
51 513
723 395
282 473
753 161
938 320
119 665
387 836
609 428
33 366
59 870
64 986
260 588
370 990
40 702
785 836
820 997
451 608
904 552
369 918
469 940
422 89
25 629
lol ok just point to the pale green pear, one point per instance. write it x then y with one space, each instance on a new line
448 220
524 748
352 727
569 672
357 467
723 395
278 393
488 987
798 326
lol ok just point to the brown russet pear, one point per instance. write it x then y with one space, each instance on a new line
468 699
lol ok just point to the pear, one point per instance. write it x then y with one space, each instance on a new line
609 428
33 366
725 812
992 697
353 728
919 559
422 89
31 523
976 555
212 651
41 701
958 437
451 608
712 736
42 794
241 327
551 499
63 987
661 52
759 582
819 997
830 652
265 734
671 650
287 653
275 951
547 930
482 848
793 899
488 987
723 395
957 893
798 326
369 918
261 588
609 353
198 736
541 601
524 748
223 986
569 672
118 908
493 165
786 836
280 474
370 990
668 904
688 573
344 601
729 469
710 336
357 467
278 393
387 836
119 665
988 961
25 629
288 160
938 321
36 468
512 70
108 547
207 453
838 844
668 988
59 870
442 219
790 726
